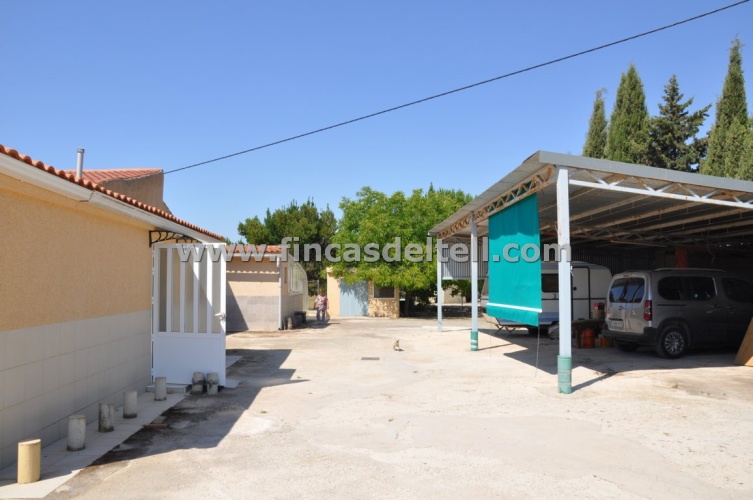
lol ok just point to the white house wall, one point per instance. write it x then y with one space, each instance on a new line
53 371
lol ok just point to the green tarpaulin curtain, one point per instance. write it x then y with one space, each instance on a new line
515 283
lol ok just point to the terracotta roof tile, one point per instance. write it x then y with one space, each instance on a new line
88 184
116 173
245 248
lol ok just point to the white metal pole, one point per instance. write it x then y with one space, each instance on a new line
439 285
564 360
474 284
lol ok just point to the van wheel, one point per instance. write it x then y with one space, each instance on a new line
672 342
626 346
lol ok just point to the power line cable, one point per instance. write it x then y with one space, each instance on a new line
460 89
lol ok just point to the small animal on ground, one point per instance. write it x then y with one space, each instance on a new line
396 345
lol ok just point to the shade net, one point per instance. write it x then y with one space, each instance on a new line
515 282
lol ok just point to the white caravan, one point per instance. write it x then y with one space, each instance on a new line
590 285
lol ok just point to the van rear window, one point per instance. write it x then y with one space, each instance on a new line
627 290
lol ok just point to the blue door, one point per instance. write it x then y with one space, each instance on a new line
354 299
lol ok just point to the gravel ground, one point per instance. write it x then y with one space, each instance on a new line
313 419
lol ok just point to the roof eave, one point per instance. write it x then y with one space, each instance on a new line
51 182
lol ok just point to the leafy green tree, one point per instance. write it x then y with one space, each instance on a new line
731 113
596 139
627 134
376 219
673 142
304 224
255 232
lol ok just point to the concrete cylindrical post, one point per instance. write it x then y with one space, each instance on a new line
197 383
106 417
130 404
160 388
29 461
213 383
76 432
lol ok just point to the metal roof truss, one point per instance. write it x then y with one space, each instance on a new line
628 209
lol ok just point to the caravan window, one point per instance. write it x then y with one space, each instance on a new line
550 283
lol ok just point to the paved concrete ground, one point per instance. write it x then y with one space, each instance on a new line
316 417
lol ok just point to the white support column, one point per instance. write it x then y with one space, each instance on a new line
156 296
222 272
280 271
440 293
169 290
474 284
182 296
210 295
196 286
564 360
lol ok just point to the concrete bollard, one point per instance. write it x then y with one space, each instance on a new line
130 404
76 432
29 461
197 382
213 383
160 388
106 414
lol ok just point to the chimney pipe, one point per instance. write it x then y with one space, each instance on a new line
80 163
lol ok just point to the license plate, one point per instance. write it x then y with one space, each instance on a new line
615 323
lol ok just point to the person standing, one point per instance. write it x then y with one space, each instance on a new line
321 307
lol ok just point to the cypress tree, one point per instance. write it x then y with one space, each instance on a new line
746 165
735 154
673 143
596 139
731 112
627 136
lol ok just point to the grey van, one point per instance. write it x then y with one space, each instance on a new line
676 309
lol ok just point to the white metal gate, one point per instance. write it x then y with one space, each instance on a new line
188 311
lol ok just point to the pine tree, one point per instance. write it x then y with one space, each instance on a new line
596 139
627 136
673 142
732 107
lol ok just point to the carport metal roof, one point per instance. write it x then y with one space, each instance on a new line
613 202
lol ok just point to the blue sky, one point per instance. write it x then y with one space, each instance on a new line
171 83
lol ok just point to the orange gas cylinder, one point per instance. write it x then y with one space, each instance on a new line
589 338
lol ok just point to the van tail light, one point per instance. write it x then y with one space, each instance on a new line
647 310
